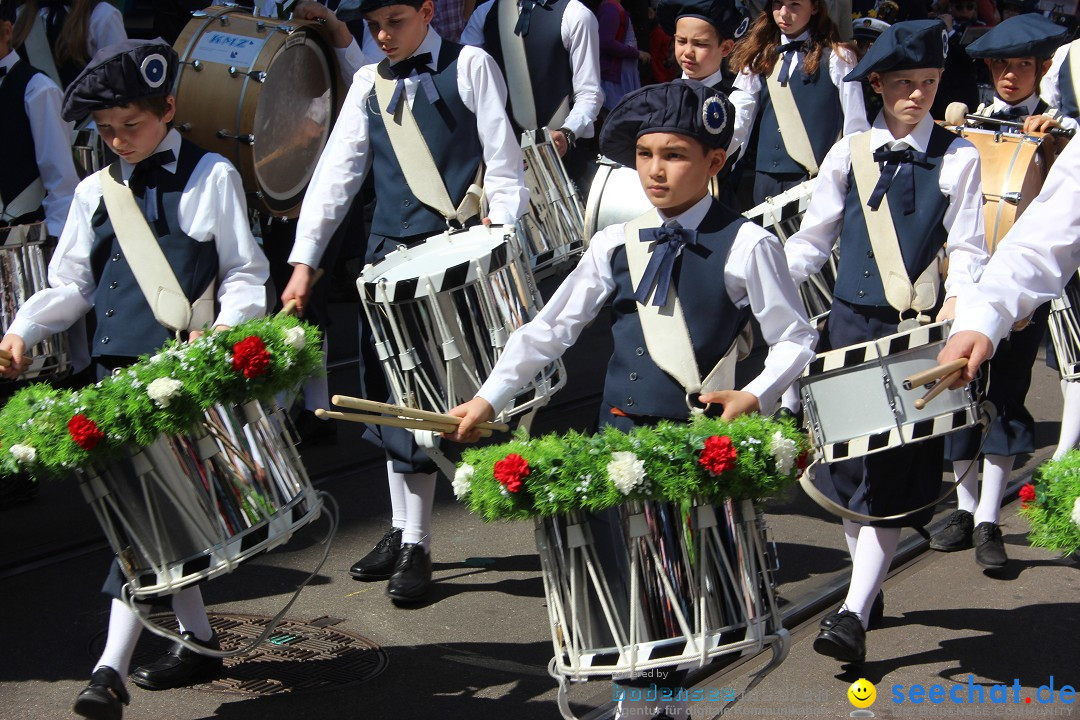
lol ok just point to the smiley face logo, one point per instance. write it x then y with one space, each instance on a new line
862 693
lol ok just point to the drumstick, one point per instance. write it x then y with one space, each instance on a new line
939 386
272 156
374 406
407 423
934 373
290 307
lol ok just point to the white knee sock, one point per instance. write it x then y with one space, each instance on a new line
995 475
124 631
851 534
316 389
191 613
791 399
397 496
873 556
1070 418
419 498
967 492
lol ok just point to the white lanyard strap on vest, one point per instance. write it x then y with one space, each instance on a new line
148 262
417 163
39 52
788 118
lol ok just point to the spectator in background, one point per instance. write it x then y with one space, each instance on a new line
74 31
170 16
663 66
451 16
963 74
619 53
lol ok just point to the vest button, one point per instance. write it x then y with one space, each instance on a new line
629 401
869 253
407 203
866 273
110 312
116 257
405 224
862 293
639 351
113 285
105 340
633 376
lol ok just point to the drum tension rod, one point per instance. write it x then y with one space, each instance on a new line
247 139
256 75
196 65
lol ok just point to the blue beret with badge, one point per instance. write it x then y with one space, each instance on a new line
909 45
684 107
721 14
119 74
367 6
1029 35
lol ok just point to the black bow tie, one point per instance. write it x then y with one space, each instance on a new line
789 51
525 15
898 164
419 64
145 174
669 240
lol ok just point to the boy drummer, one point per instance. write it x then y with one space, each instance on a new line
705 261
918 164
458 99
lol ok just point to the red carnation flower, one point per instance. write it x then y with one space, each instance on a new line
718 454
511 470
250 357
803 460
85 432
1027 495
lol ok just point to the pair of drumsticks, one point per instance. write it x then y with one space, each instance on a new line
401 416
938 378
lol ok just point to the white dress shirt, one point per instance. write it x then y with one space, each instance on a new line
851 94
105 28
347 157
212 209
1049 87
960 180
52 145
580 34
1028 106
753 275
1033 261
744 106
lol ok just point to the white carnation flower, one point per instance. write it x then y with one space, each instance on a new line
163 390
1075 512
24 453
295 338
783 452
626 471
463 481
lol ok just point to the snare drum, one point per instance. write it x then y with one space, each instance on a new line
25 251
553 229
1014 167
783 215
441 313
187 508
1065 330
89 150
615 197
855 403
699 587
263 93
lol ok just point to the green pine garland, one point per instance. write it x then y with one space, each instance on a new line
571 471
34 425
1052 505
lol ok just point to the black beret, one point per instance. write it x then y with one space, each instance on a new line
908 45
1029 35
7 10
685 107
119 74
721 14
367 6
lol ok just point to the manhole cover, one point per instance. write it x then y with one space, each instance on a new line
297 657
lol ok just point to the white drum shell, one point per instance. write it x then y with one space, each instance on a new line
615 197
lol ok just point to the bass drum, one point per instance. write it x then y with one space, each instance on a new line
262 92
616 196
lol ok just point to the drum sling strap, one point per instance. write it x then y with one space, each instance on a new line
666 334
416 161
39 53
792 129
27 201
901 293
518 79
148 262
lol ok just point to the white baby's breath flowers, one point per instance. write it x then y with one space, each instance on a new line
295 338
463 480
783 452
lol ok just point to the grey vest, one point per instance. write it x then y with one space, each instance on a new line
125 323
17 139
450 131
634 383
921 234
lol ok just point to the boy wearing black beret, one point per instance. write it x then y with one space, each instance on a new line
186 207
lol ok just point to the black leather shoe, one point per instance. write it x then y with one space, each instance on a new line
956 535
845 640
989 547
102 698
313 431
180 666
412 576
379 564
877 613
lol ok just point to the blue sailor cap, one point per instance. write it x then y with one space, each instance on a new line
868 28
906 45
1029 35
722 14
685 107
119 74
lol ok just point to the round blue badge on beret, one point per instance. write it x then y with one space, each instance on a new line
154 70
714 115
945 43
743 27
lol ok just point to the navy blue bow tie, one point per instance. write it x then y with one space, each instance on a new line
789 51
669 240
145 174
419 64
1010 113
900 165
525 15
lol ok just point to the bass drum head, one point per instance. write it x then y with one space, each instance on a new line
293 116
616 196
